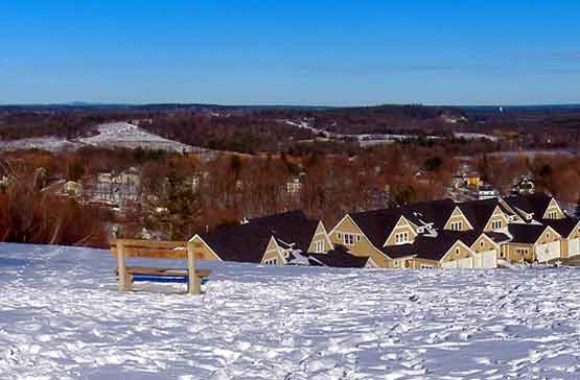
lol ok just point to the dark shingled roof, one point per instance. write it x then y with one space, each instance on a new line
436 212
563 226
526 233
479 212
498 237
434 248
247 242
399 251
378 224
530 203
337 258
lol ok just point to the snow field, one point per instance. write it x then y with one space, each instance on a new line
61 317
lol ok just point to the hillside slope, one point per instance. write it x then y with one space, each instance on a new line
61 317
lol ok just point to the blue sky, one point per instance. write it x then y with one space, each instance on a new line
290 52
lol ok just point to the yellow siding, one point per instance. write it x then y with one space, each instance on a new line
553 207
320 235
402 226
273 252
514 254
422 264
548 236
564 248
497 215
457 216
457 251
483 244
362 246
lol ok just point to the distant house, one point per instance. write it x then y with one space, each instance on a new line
473 180
524 186
534 207
72 188
569 230
115 189
294 186
532 242
485 192
268 240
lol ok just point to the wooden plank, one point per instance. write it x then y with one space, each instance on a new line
150 243
137 270
161 253
194 282
124 276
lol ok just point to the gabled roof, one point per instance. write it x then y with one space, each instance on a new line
377 225
247 242
530 203
337 258
479 212
435 248
498 237
526 233
563 226
399 251
436 212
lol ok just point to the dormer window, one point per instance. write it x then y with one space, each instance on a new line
401 237
496 225
319 246
456 226
553 214
349 239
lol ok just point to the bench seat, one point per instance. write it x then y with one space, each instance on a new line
164 275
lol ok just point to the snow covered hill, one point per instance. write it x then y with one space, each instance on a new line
108 135
61 317
131 136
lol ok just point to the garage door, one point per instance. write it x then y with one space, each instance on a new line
489 259
449 264
573 247
547 252
486 259
465 263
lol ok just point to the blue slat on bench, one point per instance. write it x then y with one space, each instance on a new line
177 279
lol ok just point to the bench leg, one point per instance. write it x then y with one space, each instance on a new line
194 285
125 279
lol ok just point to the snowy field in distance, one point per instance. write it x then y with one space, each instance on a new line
61 317
127 135
109 135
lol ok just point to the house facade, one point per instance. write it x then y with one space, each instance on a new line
438 234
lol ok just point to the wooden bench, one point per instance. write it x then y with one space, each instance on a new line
125 248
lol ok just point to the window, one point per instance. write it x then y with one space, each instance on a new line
401 237
456 226
457 252
553 214
358 237
348 239
423 266
496 225
481 243
521 251
273 261
319 246
339 235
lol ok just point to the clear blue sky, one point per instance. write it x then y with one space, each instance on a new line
341 52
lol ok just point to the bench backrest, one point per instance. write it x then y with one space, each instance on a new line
153 249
